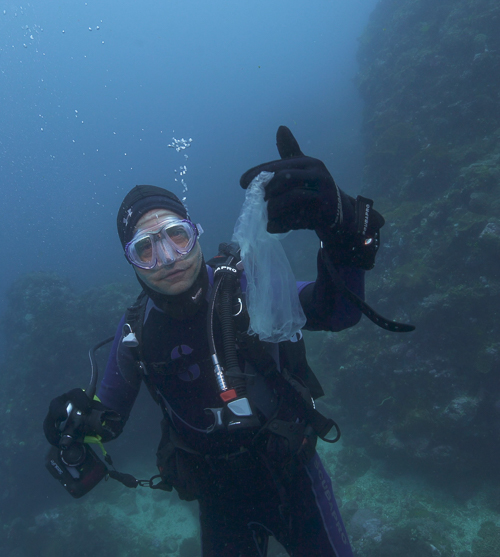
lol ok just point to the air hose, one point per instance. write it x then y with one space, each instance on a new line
91 389
225 277
218 370
229 333
231 383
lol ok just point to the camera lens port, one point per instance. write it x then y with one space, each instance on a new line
74 454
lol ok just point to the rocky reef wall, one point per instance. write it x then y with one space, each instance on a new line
430 400
49 328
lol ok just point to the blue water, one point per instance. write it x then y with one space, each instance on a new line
93 92
92 95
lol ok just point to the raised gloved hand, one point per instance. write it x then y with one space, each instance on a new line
303 195
73 416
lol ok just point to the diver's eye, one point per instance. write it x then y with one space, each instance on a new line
144 249
179 236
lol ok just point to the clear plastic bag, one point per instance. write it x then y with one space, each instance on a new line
272 298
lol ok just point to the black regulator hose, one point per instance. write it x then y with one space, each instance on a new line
225 277
211 312
227 322
91 389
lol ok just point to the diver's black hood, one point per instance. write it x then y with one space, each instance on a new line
139 201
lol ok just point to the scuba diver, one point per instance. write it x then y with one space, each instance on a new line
239 426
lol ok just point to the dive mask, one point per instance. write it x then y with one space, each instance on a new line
162 244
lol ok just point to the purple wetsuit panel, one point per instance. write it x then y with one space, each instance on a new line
115 392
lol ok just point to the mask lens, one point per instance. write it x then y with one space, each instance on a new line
144 250
180 236
162 245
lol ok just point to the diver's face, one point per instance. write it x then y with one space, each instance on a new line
174 278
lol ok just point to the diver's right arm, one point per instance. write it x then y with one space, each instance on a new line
72 416
121 382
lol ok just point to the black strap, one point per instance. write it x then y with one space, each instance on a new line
129 481
378 319
322 425
254 352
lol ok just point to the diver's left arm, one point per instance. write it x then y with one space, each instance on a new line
303 195
325 308
347 251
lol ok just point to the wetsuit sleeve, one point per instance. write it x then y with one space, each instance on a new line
121 382
325 308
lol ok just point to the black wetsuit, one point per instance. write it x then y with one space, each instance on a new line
242 500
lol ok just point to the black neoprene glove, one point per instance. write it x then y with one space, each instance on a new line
303 195
75 416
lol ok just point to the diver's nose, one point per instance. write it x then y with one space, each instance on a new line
165 256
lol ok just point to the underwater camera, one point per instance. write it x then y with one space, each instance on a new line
77 468
74 463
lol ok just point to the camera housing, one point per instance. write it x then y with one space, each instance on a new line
77 468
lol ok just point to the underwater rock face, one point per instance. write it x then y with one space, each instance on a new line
351 464
49 328
462 410
490 237
405 541
488 542
427 400
364 523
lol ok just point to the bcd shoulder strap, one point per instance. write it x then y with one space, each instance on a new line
132 339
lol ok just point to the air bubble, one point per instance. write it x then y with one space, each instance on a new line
180 144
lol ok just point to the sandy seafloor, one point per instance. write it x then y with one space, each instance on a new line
158 522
